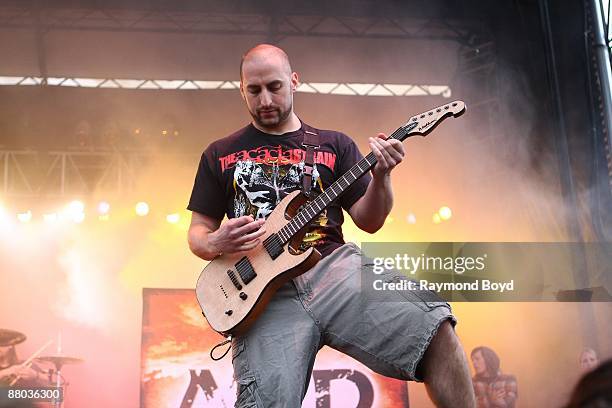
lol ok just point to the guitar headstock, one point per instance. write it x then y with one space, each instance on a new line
424 122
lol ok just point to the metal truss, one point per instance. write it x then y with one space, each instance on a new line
27 173
478 82
275 27
330 88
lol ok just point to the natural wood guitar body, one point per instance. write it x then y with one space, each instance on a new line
216 292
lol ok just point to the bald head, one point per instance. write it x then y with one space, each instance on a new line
266 54
267 85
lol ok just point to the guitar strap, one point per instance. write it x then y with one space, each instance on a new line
311 142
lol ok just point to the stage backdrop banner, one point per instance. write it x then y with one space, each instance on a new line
177 370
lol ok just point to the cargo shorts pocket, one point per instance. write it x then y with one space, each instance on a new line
246 395
424 299
246 383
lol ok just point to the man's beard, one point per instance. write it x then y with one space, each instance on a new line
272 123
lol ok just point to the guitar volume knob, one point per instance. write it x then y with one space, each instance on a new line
243 296
229 312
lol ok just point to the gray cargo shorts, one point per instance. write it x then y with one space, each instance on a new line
326 306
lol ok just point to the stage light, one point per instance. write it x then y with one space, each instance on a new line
74 211
142 208
176 133
104 217
411 218
25 217
436 218
136 131
389 220
103 207
173 218
76 206
445 213
164 132
78 217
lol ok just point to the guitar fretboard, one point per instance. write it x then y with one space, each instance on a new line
316 206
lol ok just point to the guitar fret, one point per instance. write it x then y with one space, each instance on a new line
316 206
301 218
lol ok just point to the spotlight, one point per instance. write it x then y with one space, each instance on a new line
75 211
25 217
103 208
445 213
142 208
436 218
78 217
411 218
164 132
76 206
173 218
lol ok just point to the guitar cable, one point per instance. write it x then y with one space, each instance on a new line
229 339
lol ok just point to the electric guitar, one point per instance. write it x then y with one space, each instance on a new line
234 288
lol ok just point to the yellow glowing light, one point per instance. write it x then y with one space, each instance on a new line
103 207
445 213
75 207
142 208
436 218
173 218
389 220
74 211
164 132
104 217
25 217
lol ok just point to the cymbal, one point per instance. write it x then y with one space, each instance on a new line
59 360
11 337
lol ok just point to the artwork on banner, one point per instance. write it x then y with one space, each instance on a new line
177 370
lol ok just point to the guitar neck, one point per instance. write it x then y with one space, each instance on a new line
336 189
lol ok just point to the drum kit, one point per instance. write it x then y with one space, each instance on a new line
54 364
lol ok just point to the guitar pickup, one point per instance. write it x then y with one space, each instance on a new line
245 270
273 246
234 279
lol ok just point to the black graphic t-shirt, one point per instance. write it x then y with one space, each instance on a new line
250 172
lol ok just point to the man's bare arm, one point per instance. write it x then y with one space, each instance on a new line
371 210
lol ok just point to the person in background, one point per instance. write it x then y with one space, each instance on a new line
588 360
594 390
492 388
11 369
